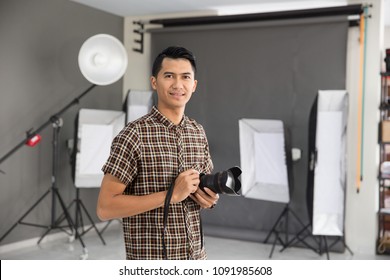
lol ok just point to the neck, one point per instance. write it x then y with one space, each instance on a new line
174 115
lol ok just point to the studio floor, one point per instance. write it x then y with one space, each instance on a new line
60 246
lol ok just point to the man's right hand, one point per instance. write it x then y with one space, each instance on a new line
186 183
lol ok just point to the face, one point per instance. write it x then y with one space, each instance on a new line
174 84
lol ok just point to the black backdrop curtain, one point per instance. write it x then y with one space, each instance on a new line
267 70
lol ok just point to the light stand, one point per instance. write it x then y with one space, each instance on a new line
278 228
79 221
56 123
94 131
266 161
326 170
102 60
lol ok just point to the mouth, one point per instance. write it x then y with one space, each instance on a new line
177 94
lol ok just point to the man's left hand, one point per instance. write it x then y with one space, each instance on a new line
206 198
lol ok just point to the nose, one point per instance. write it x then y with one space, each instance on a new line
177 83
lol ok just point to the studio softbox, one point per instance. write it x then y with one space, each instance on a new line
327 162
95 131
265 174
138 103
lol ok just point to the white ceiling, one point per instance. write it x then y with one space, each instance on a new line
220 7
156 7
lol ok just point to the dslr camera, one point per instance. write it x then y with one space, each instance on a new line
224 182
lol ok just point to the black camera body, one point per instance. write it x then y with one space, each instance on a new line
224 182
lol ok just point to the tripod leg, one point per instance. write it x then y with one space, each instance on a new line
349 250
92 223
296 237
276 224
326 246
274 244
342 239
25 214
106 226
62 217
69 219
55 224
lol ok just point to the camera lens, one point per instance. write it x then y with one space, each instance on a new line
225 182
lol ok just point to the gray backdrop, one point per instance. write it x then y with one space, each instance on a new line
269 70
39 74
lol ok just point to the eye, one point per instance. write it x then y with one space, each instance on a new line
168 76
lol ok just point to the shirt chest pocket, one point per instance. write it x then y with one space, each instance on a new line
194 155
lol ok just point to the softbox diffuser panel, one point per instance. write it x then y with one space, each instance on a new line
263 160
138 103
329 172
95 132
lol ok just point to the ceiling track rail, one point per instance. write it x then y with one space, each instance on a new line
348 10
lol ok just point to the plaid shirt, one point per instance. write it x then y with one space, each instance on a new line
147 155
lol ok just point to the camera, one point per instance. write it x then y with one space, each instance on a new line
224 182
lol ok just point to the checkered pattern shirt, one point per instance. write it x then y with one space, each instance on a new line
147 155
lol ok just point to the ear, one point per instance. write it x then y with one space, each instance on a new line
194 87
153 82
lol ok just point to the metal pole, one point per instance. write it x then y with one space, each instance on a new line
50 121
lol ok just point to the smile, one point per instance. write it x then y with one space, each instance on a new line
177 94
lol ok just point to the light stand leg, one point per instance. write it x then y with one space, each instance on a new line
79 217
20 221
297 238
323 238
79 221
273 229
55 224
286 243
342 239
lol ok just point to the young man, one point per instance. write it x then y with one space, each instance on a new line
161 149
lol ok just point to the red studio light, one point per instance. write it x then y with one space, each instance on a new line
32 141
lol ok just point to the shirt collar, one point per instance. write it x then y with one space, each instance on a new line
165 121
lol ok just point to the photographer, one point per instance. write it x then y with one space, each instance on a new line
160 150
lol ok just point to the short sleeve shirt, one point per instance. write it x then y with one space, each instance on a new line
147 155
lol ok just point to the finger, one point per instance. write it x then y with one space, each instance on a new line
206 200
191 172
210 193
199 200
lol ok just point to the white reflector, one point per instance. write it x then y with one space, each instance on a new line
96 130
263 160
102 59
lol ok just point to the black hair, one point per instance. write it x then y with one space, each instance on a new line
175 53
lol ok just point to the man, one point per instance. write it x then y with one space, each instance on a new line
161 149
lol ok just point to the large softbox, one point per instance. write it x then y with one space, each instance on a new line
327 162
265 172
95 132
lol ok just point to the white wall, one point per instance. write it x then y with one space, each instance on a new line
138 72
387 37
361 208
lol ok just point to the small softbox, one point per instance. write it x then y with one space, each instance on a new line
265 174
95 131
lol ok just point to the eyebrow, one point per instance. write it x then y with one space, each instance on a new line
185 73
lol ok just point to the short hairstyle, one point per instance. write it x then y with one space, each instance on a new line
175 53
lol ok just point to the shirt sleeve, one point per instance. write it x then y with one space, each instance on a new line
123 159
